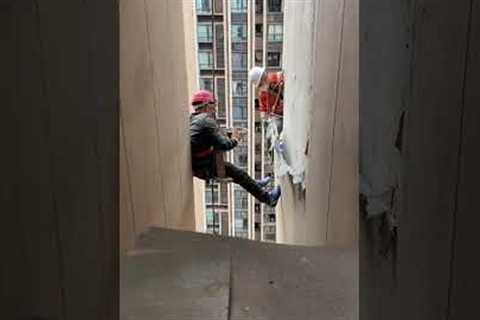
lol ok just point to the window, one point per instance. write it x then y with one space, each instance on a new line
209 218
241 215
205 59
239 110
239 88
273 59
240 123
218 6
204 6
269 229
275 32
219 46
241 202
239 226
220 91
224 193
259 30
204 33
240 156
239 5
208 194
206 84
258 127
269 237
275 5
242 160
258 151
269 218
258 57
239 61
258 6
239 32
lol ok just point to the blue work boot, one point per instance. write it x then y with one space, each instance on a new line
263 182
274 195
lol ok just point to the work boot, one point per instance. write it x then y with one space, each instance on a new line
263 182
274 195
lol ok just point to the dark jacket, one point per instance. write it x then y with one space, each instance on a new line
205 135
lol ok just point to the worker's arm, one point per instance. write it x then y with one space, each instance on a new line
218 140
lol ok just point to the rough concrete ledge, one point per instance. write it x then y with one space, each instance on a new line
185 275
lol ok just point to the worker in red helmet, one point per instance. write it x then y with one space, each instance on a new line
206 140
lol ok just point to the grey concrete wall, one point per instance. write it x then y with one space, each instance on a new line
156 81
59 230
385 65
416 253
321 122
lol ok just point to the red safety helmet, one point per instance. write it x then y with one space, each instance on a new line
202 97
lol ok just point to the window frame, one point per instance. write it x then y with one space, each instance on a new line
241 110
242 199
245 33
203 78
269 6
258 57
203 12
217 80
259 7
215 8
259 33
216 196
218 220
244 59
241 9
279 59
245 88
210 51
209 26
214 45
274 36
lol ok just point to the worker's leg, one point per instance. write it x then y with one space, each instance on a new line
242 178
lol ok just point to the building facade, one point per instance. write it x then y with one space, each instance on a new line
232 37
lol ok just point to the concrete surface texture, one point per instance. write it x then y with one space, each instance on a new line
183 275
157 76
321 122
416 259
59 228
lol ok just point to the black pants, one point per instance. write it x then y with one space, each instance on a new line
239 177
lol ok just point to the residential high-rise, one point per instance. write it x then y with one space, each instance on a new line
232 37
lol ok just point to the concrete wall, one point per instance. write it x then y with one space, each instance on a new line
321 122
385 66
420 176
58 131
157 77
190 36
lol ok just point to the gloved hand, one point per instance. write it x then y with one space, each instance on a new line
239 133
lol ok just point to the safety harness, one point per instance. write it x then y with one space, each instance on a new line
277 91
